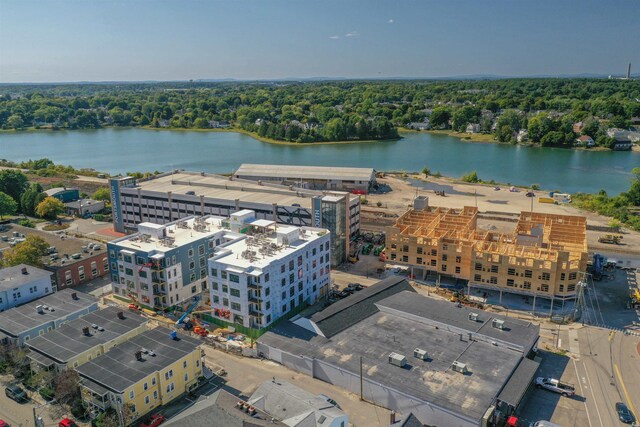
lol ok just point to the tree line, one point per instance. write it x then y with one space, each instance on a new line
334 111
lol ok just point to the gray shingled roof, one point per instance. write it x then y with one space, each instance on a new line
219 410
17 320
69 341
304 172
348 311
12 277
118 368
519 383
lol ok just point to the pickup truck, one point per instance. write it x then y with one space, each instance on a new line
555 385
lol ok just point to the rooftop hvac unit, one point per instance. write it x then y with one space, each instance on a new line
459 367
397 359
498 324
474 317
421 354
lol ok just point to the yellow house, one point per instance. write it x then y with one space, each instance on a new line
84 339
147 371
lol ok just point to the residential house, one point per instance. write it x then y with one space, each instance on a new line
577 127
23 283
473 128
622 145
585 141
147 371
424 125
83 207
296 407
85 338
523 135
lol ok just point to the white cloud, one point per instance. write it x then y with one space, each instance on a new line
352 34
390 21
334 37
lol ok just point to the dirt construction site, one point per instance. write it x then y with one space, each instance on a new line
498 206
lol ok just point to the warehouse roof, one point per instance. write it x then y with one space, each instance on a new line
118 368
59 305
348 311
192 184
13 277
69 341
401 325
293 172
519 383
56 190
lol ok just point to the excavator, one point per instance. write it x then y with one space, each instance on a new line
133 305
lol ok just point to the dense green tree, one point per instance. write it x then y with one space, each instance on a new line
440 117
29 252
102 194
13 182
49 208
31 197
8 206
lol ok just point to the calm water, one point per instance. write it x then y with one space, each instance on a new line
127 150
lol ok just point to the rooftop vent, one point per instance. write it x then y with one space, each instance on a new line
121 315
421 354
24 270
397 359
474 317
39 309
498 324
138 355
85 331
74 296
459 367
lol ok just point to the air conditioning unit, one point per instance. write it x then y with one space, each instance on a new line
421 354
397 359
459 367
474 317
498 324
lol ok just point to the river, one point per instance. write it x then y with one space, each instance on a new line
127 150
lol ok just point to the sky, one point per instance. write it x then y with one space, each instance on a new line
133 40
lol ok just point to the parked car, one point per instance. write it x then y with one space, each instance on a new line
154 421
624 414
67 422
4 424
544 423
329 400
556 386
15 392
531 194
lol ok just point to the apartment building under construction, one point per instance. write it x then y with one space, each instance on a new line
544 256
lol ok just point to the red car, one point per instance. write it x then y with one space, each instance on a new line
154 421
67 423
4 424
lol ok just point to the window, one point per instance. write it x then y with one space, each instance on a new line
194 289
225 302
155 394
168 374
197 363
225 289
544 288
192 265
127 258
267 305
202 261
146 400
291 265
170 387
128 272
284 308
184 363
190 253
292 291
299 260
546 276
68 279
418 260
236 307
94 269
393 256
511 272
394 246
526 285
444 257
282 267
405 248
457 270
478 266
571 287
292 278
528 273
145 386
434 252
140 260
214 286
433 263
419 250
561 288
214 272
444 267
142 274
201 250
562 276
494 268
510 282
493 280
223 274
266 277
477 278
573 276
267 292
186 377
405 258
131 394
216 299
234 278
133 408
153 381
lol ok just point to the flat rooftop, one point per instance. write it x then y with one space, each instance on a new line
118 368
12 277
61 304
162 238
399 327
257 252
294 172
64 244
226 188
69 341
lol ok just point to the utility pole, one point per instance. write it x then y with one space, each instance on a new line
361 382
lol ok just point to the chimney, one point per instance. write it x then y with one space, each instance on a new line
121 315
139 355
392 418
74 296
24 270
629 72
85 331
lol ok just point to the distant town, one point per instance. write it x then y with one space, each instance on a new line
299 295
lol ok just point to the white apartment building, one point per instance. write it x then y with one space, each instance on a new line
23 283
270 271
165 265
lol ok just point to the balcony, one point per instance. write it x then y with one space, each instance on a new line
254 286
255 299
157 290
155 278
254 313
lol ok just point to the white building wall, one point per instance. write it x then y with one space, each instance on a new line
19 295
